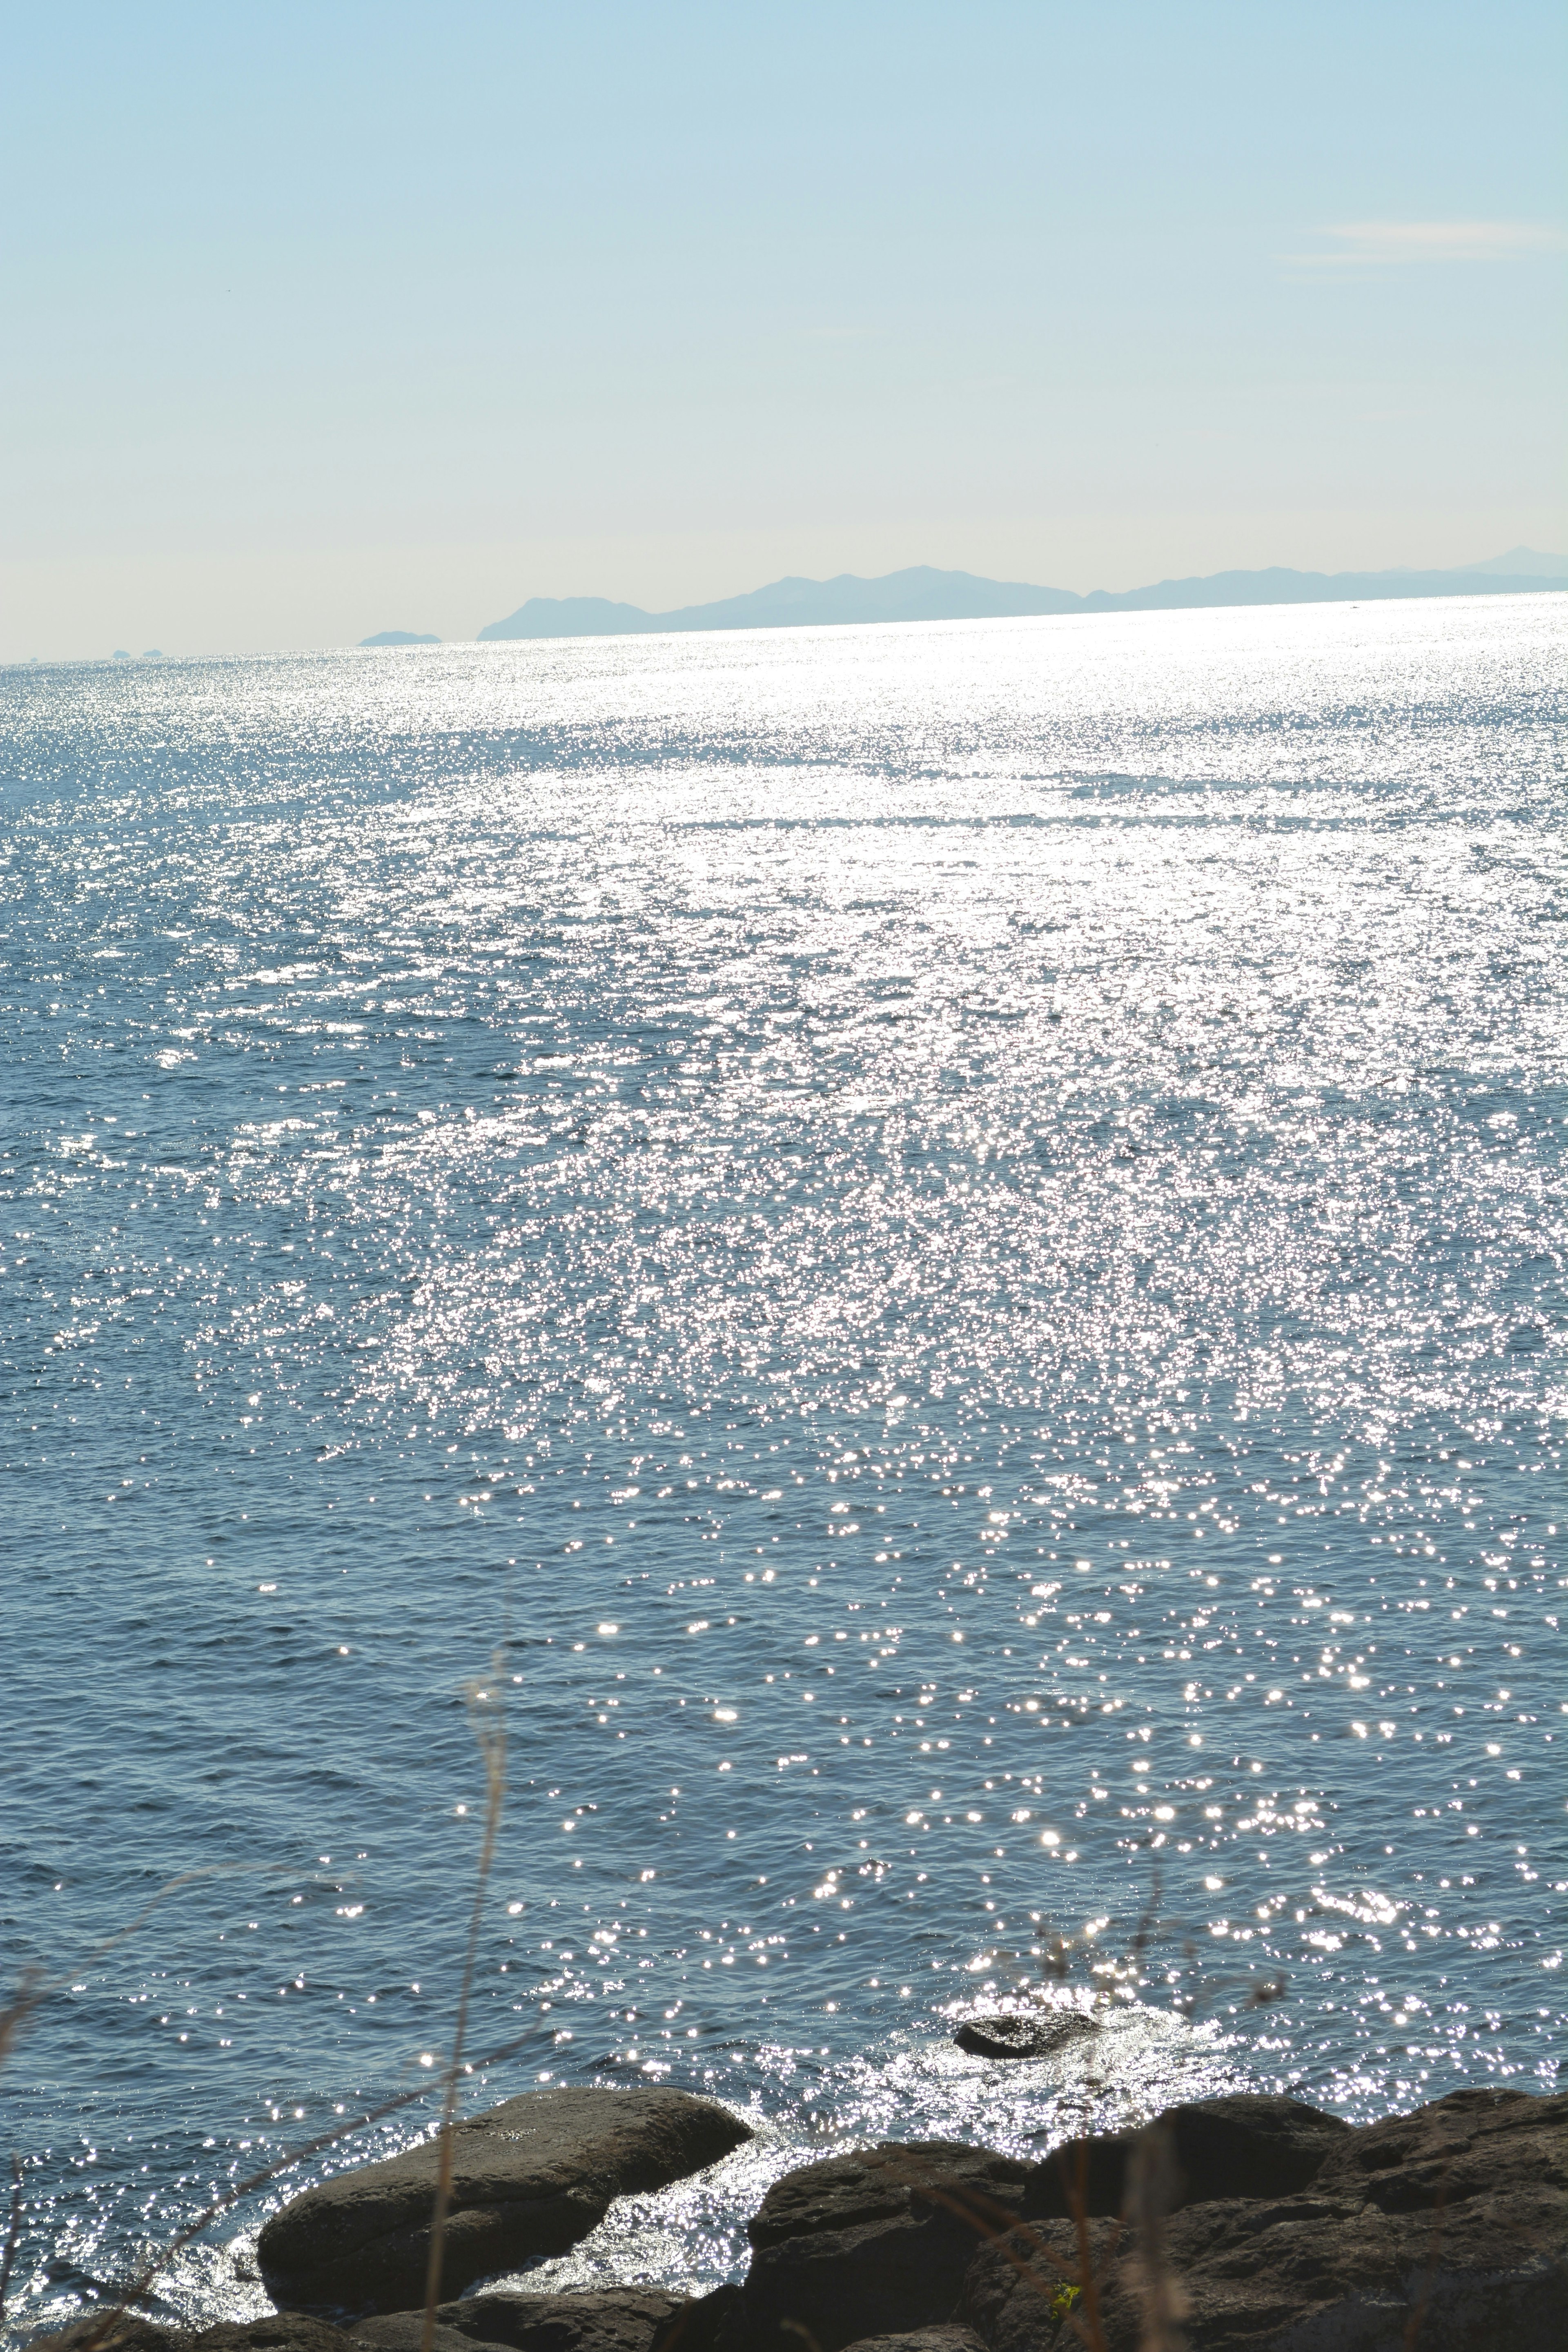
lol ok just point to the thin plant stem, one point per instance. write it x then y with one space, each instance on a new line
137 2290
490 1731
14 2232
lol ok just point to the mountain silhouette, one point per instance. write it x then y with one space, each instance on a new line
921 593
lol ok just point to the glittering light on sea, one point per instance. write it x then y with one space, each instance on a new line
950 1239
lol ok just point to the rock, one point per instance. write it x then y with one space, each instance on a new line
597 2319
1018 2286
696 2327
281 2331
404 2331
872 2245
529 2178
1012 2036
1448 2228
1481 2143
923 2339
1249 2144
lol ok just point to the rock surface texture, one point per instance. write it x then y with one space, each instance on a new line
594 2320
924 2339
1447 2230
1252 2143
529 2178
1287 2231
599 2319
872 2245
282 2331
1280 2230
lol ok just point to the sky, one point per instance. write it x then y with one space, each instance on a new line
318 321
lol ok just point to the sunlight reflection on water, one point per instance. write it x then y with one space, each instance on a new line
954 1234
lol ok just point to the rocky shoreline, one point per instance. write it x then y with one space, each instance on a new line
1251 2223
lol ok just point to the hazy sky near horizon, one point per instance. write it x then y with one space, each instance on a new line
320 320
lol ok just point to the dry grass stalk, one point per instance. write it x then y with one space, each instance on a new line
13 2232
1151 2184
1150 2193
489 1723
137 2290
998 2225
485 1716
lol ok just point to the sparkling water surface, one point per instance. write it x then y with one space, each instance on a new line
935 1254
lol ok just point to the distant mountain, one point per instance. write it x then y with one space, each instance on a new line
922 595
1525 564
918 594
399 638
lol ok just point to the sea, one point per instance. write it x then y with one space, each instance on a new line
798 1333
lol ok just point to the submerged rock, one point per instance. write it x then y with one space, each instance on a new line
529 2178
1011 2035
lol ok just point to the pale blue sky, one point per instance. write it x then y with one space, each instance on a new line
329 318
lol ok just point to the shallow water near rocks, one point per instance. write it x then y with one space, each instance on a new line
935 1253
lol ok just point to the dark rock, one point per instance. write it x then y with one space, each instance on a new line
281 2331
695 2327
1250 2144
923 2339
596 2319
518 2320
872 2245
404 2331
1012 2036
1017 2285
1481 2143
599 2319
529 2178
129 2334
1448 2228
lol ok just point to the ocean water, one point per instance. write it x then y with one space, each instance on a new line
936 1254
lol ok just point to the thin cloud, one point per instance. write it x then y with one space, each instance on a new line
1384 245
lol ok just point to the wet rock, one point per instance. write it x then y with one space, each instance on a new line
598 2319
871 2244
1451 2222
1011 2035
529 2177
1249 2144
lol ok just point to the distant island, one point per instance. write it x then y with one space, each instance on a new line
923 595
399 638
